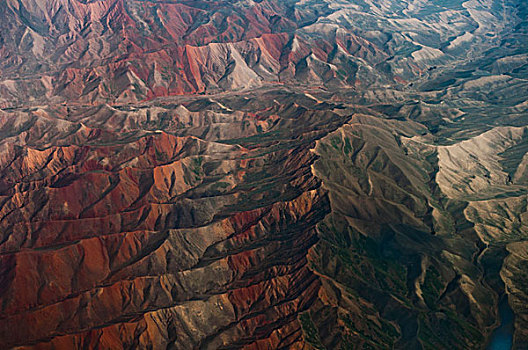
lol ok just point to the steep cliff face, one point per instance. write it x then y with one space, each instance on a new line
262 174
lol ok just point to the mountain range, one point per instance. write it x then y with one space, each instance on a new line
239 174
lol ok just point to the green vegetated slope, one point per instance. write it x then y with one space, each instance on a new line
422 219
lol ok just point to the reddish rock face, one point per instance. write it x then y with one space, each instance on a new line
128 51
129 236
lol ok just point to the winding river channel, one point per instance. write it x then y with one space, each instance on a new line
502 337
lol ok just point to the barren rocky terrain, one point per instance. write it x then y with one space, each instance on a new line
314 174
